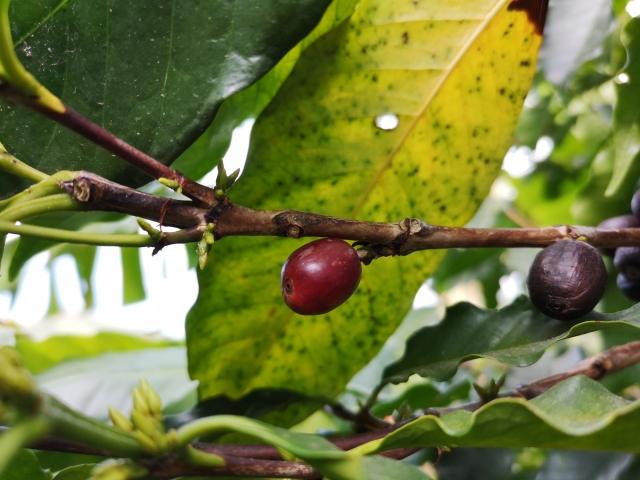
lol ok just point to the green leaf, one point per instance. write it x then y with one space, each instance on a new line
515 335
316 147
91 385
423 396
578 413
380 468
533 464
317 451
203 155
79 472
152 74
626 125
24 466
56 461
40 356
255 405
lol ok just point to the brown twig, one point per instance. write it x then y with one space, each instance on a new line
98 193
202 195
381 239
596 367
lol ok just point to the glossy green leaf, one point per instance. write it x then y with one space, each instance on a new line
24 466
626 124
40 356
316 147
578 413
515 335
79 472
203 155
153 74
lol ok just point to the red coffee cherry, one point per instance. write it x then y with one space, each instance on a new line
320 276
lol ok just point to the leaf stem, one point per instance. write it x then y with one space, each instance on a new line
71 425
24 84
202 195
39 206
10 164
69 236
204 459
48 186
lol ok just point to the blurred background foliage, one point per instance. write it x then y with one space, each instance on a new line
564 167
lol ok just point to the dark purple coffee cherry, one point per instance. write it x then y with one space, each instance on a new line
635 204
627 262
567 280
631 290
320 276
623 221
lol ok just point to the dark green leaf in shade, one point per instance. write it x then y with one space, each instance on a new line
56 461
515 335
423 396
24 466
380 468
132 285
508 464
254 405
154 74
578 413
203 155
478 464
626 136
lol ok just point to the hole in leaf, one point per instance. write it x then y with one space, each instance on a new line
388 121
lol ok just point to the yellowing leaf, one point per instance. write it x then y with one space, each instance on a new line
454 74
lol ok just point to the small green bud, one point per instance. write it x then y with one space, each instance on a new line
119 420
221 179
118 470
146 443
153 399
144 225
171 437
232 178
140 403
209 238
203 260
172 184
203 252
144 423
